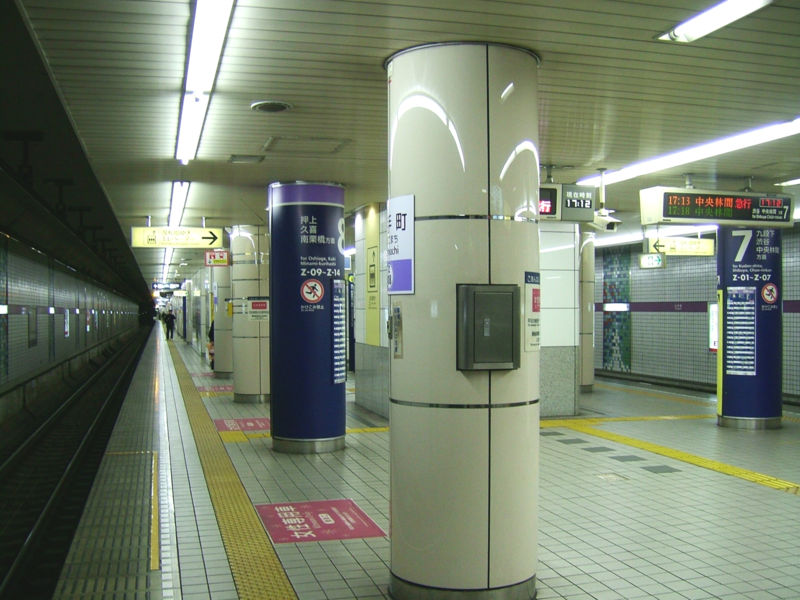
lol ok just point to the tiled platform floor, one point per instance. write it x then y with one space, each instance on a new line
641 496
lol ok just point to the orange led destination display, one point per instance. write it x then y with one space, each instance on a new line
726 207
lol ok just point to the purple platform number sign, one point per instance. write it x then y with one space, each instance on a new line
750 287
400 244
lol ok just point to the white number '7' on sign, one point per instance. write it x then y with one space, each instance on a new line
746 235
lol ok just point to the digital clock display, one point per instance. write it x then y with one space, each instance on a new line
726 207
577 202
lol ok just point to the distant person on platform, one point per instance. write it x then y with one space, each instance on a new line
169 321
210 345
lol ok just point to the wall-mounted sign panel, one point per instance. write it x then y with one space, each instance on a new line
682 246
652 261
257 308
713 326
400 244
681 205
175 237
217 258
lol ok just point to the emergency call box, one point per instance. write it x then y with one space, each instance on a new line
488 327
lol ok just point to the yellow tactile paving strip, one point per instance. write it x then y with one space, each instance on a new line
651 394
257 572
588 426
233 437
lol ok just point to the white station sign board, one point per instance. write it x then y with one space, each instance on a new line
400 244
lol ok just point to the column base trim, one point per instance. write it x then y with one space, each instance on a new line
752 423
250 398
223 374
399 589
290 446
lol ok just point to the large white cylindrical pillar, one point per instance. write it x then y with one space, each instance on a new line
249 288
464 443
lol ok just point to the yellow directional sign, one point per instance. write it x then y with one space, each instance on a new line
682 246
175 237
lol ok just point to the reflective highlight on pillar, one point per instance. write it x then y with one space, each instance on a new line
223 321
464 444
586 340
309 367
250 280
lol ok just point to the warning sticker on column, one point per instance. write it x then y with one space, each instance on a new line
312 291
533 295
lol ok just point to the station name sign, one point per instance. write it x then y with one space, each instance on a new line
680 205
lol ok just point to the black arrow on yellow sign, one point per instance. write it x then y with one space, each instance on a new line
213 238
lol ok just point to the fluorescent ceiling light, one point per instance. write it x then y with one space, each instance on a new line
211 20
193 115
180 191
790 183
714 18
735 142
167 260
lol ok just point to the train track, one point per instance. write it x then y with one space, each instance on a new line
45 482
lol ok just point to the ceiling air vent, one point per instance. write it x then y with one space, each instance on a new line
296 145
269 106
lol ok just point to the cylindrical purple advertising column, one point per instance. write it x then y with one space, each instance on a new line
308 369
750 363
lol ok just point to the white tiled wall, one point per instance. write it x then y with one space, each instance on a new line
36 284
656 337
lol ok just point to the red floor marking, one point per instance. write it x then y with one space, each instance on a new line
242 424
316 521
214 388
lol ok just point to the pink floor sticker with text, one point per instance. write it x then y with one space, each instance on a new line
242 424
317 521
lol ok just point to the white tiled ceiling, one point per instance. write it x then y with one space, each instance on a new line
609 93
